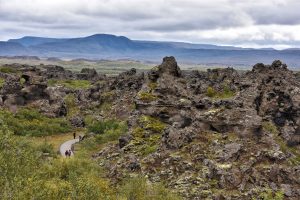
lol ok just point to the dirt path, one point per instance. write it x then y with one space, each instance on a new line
67 146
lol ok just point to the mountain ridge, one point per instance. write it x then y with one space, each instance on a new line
107 46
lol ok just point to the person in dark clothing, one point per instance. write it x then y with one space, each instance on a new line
74 135
67 153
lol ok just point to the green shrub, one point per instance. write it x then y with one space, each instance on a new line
210 92
153 124
107 130
146 96
8 70
31 122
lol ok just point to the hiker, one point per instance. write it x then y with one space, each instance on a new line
67 153
74 135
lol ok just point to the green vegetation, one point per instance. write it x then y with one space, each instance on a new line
225 93
107 130
153 124
2 81
72 84
31 122
70 101
152 85
210 92
147 96
22 81
138 189
26 174
8 70
269 195
270 127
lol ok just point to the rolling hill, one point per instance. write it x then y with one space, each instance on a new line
104 46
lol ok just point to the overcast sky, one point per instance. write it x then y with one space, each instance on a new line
255 23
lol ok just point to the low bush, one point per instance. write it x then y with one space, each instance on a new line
31 122
8 70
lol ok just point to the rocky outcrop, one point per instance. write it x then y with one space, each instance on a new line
215 134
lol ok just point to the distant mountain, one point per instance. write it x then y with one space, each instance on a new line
31 41
105 46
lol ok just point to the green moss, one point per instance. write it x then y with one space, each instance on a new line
225 93
270 127
108 96
146 96
138 132
149 149
153 124
22 81
210 92
268 194
72 84
152 86
2 81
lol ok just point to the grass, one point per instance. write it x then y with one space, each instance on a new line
151 123
70 101
224 94
271 128
72 84
8 70
31 122
54 140
2 81
146 96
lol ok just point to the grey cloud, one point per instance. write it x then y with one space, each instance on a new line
187 20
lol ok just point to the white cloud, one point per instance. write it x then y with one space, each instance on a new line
237 22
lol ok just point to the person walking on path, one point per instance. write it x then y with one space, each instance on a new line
74 135
67 153
70 153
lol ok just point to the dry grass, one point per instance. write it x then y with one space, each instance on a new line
55 140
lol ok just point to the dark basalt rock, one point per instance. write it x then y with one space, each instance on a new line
169 66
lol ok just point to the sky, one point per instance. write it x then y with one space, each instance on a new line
245 23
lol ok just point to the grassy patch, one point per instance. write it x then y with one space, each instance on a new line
225 93
107 130
70 101
151 123
2 81
152 85
147 96
31 122
268 194
270 127
8 70
72 84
